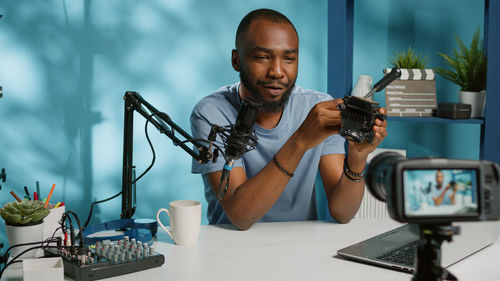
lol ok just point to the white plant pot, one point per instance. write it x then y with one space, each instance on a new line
477 100
25 234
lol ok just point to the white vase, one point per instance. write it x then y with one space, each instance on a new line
477 100
25 234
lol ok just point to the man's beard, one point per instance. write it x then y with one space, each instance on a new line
267 106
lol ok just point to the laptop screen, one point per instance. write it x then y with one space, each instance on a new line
440 192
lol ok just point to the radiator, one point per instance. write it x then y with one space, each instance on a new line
371 207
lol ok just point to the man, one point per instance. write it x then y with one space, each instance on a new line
297 131
443 195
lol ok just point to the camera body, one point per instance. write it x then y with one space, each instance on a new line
358 117
435 190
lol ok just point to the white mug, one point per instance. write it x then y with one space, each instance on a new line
185 221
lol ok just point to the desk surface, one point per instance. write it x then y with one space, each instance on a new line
290 251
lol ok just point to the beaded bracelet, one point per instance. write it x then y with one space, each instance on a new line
283 170
357 177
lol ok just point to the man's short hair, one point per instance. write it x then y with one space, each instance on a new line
268 14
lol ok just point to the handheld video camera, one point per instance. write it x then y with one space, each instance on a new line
359 114
435 190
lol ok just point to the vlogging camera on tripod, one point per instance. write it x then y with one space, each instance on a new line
431 194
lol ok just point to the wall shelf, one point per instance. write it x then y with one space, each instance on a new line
340 59
435 120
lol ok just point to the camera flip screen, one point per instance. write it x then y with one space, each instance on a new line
440 192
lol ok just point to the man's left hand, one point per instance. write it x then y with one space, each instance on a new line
361 150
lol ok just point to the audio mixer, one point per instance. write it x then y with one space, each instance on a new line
107 259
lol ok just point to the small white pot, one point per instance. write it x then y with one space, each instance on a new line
25 234
477 100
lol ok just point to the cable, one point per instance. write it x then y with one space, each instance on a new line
152 150
5 258
95 203
71 230
14 260
80 230
119 193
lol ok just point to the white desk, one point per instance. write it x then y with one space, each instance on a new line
290 251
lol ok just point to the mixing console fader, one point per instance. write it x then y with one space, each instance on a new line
107 259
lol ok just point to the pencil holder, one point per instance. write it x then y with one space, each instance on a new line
51 225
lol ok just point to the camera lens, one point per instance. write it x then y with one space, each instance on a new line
379 173
352 135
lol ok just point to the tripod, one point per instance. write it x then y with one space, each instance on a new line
429 253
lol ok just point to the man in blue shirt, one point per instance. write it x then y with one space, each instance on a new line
440 193
297 133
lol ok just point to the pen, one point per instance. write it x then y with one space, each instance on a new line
35 196
38 190
57 205
50 195
27 192
62 204
15 196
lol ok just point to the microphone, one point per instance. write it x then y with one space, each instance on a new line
241 140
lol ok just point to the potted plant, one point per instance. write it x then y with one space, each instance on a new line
24 224
408 60
414 93
468 70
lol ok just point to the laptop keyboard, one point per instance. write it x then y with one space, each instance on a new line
405 254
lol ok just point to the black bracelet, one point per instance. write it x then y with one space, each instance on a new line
357 177
283 170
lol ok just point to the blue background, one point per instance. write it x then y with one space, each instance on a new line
65 66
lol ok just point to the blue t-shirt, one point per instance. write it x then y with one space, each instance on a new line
298 200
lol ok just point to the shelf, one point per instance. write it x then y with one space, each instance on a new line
340 70
435 120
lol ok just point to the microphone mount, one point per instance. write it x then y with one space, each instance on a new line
136 103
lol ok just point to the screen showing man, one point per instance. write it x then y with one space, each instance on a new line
440 192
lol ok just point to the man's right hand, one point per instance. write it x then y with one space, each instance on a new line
323 120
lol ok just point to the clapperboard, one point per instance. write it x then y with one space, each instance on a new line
413 94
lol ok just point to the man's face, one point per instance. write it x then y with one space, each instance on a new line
268 63
439 178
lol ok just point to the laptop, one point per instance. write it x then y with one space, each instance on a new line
390 249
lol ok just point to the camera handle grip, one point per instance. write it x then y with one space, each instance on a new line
386 80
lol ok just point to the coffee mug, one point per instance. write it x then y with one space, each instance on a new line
185 221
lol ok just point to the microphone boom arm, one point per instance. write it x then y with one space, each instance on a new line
135 102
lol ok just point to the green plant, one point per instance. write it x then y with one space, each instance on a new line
24 212
409 60
468 65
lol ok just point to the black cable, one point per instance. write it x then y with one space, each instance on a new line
152 150
135 180
80 230
23 244
95 203
14 260
5 257
71 230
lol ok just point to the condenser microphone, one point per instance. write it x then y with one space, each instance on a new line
241 140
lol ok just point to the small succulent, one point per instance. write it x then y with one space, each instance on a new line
24 212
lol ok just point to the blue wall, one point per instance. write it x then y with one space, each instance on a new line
65 65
